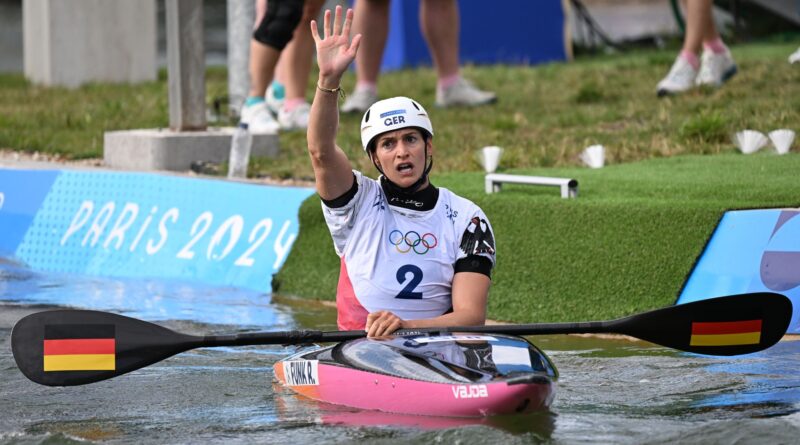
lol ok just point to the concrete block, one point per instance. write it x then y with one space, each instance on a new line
72 42
164 149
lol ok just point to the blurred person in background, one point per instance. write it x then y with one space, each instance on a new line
691 69
281 31
439 21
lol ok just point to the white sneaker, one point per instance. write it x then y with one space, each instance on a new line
297 119
681 78
795 56
259 119
716 69
359 101
463 93
275 95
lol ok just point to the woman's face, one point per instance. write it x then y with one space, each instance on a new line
401 155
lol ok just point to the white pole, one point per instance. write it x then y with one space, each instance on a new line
241 15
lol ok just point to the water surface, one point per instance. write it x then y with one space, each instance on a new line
610 390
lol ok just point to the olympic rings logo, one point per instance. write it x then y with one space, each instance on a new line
412 241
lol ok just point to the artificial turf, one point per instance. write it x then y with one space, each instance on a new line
626 244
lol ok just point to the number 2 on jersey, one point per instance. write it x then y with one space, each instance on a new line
416 278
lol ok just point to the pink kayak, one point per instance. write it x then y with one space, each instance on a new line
453 375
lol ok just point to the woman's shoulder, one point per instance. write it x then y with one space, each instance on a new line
368 185
458 202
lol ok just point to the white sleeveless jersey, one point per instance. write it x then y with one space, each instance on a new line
401 260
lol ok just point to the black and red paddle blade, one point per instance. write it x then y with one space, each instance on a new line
75 347
732 325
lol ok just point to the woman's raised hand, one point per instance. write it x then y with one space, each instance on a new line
335 51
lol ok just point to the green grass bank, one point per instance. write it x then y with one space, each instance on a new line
546 114
625 245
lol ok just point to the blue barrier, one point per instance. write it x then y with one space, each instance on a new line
148 225
750 251
508 31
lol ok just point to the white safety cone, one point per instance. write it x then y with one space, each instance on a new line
750 141
490 158
594 156
782 140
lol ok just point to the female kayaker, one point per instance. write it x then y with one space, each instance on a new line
412 255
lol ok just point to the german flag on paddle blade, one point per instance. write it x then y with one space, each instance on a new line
726 333
71 347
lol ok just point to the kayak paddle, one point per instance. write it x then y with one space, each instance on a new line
74 347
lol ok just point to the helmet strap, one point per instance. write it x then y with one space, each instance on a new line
372 157
413 188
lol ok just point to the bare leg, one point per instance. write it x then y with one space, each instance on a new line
710 33
297 56
717 64
439 20
440 23
687 70
263 59
699 25
371 19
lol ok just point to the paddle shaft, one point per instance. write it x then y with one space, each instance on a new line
301 337
312 336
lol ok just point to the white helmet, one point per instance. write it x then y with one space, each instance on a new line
393 114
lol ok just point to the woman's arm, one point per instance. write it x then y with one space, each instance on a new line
335 52
470 294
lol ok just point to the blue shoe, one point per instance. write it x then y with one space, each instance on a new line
276 93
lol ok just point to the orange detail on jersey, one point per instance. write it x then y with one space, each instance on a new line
351 314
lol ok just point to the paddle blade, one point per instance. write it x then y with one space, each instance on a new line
75 347
732 325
